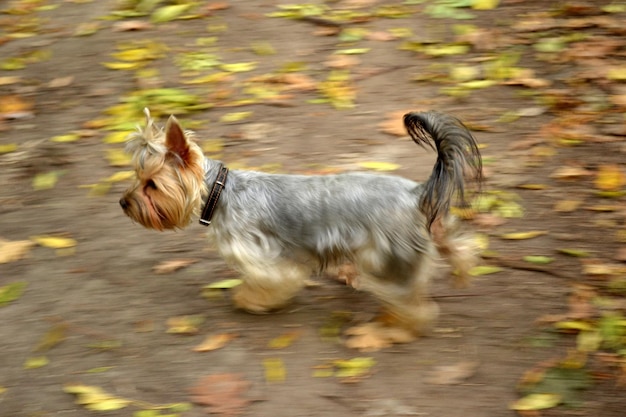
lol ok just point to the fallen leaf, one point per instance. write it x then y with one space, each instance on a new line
374 336
54 242
394 123
214 342
167 267
523 235
184 324
569 173
480 270
284 340
15 107
275 370
235 117
11 292
353 368
53 337
95 398
221 394
452 374
46 180
610 178
36 362
225 284
15 250
534 402
538 259
379 166
577 253
169 13
567 206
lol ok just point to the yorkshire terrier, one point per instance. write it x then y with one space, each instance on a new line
277 229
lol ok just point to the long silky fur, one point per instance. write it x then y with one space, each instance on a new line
458 158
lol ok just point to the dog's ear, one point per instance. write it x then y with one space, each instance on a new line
176 140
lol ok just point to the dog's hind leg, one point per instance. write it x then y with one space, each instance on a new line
459 249
268 286
403 288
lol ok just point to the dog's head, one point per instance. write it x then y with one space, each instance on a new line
169 184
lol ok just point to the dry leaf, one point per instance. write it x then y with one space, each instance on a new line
567 206
374 336
214 342
610 178
184 324
11 251
394 123
167 267
570 173
15 107
221 394
452 374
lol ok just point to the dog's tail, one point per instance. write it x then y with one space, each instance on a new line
458 160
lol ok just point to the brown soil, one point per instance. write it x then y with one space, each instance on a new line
107 289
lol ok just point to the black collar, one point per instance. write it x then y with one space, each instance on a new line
214 196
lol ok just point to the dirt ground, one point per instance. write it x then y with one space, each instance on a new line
112 306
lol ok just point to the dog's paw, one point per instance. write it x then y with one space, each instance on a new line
374 336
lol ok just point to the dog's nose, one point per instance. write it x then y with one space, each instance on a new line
123 203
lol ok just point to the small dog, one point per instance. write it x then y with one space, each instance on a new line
278 229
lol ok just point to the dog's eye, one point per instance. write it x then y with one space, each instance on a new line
151 184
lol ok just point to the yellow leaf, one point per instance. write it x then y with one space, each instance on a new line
354 367
574 325
538 259
7 148
239 67
610 178
108 404
121 176
116 137
484 270
36 362
70 137
235 117
214 342
485 4
184 324
123 65
275 370
46 180
523 235
224 284
588 341
577 253
11 251
617 74
54 242
168 13
117 157
284 340
379 166
533 402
